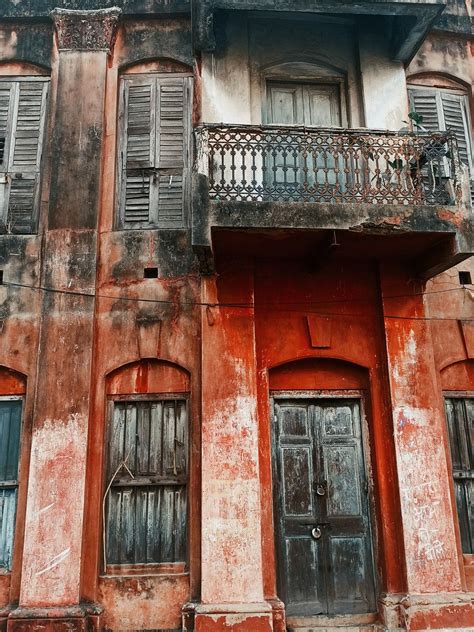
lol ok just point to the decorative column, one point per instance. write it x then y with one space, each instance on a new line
51 572
434 587
232 579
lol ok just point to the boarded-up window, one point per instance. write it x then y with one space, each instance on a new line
147 502
443 110
460 418
22 122
10 426
155 151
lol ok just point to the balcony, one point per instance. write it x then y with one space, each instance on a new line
378 183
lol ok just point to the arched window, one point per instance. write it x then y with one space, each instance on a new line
147 467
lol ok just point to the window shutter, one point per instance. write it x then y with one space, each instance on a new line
460 421
6 102
155 151
22 120
455 119
424 102
138 152
10 426
172 150
147 514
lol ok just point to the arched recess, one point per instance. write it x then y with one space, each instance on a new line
318 374
438 80
161 65
12 382
458 376
148 376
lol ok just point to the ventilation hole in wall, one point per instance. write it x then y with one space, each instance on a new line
150 273
465 277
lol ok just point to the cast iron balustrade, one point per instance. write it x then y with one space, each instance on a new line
316 165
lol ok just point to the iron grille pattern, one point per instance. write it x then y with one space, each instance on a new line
302 164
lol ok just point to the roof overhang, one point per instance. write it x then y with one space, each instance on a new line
410 20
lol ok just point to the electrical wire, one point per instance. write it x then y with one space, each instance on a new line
278 306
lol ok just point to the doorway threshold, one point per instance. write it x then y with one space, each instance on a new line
336 623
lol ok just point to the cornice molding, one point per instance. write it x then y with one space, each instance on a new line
86 30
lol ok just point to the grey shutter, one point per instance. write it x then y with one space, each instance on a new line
10 426
138 159
22 153
445 111
424 102
455 119
155 151
172 147
147 514
460 419
7 97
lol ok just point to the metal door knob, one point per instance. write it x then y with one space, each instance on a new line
316 533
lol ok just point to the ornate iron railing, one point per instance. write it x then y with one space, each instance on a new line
300 164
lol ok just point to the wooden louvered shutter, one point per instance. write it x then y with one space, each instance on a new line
138 152
455 119
7 95
172 149
425 103
155 154
444 111
22 120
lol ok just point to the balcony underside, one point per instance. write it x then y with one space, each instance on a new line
432 238
407 21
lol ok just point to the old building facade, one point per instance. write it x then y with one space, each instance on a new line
237 318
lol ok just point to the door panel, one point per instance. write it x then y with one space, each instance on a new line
323 540
317 105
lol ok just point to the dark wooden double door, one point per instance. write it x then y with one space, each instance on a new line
324 544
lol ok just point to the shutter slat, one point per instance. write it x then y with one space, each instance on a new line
139 126
22 202
170 200
424 103
26 151
137 199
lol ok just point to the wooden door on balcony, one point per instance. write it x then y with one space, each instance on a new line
324 545
291 164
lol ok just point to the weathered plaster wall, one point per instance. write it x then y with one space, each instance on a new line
383 80
448 55
234 76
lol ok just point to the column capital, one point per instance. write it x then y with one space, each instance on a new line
86 30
